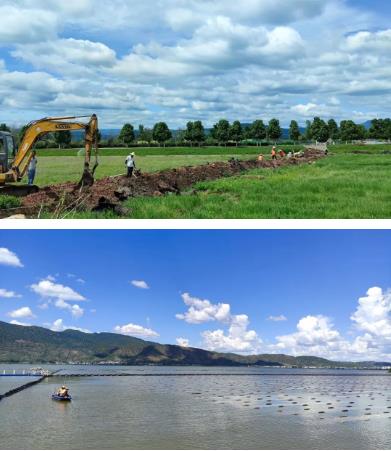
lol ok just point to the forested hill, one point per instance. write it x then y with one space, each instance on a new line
20 344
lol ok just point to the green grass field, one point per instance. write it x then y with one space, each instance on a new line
344 185
60 169
151 151
338 187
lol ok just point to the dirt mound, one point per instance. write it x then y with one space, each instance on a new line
110 191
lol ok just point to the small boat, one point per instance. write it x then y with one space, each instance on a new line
61 398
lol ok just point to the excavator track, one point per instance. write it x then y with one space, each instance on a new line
18 190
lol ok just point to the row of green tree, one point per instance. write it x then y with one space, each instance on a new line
223 133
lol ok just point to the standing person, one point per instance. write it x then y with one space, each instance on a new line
32 168
274 153
130 164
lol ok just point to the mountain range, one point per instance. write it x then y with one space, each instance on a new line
32 345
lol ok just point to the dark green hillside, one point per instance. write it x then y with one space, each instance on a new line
19 344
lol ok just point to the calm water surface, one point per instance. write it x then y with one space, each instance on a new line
282 409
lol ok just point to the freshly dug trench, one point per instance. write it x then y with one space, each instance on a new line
107 193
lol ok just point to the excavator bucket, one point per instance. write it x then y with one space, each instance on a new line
87 178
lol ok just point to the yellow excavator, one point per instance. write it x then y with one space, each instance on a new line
14 161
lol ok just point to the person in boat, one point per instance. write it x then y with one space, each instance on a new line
63 392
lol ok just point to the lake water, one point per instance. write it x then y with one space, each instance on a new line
240 409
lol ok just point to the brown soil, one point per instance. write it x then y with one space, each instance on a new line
107 193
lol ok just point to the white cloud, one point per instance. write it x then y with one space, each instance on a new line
140 284
9 258
315 336
66 55
48 289
74 309
238 338
202 310
135 330
366 41
308 109
184 342
277 318
8 294
23 312
59 326
25 27
373 314
20 323
207 60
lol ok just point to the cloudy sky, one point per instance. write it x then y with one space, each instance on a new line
324 293
180 60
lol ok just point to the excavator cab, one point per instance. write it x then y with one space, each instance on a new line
7 151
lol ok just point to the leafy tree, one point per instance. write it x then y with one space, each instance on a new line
161 133
319 130
236 132
376 129
4 128
198 132
21 132
308 131
144 134
247 133
127 134
361 132
221 131
63 138
349 131
380 129
257 131
189 132
274 131
294 131
333 129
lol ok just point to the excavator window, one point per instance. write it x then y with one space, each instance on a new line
11 147
3 155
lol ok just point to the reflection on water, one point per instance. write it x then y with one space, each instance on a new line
350 410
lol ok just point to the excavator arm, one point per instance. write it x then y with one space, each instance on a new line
39 128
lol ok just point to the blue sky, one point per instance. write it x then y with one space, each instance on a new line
177 61
301 292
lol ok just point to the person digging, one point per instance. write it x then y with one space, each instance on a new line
130 164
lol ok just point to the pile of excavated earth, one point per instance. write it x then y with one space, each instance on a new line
109 192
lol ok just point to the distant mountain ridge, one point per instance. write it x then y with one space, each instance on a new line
32 345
